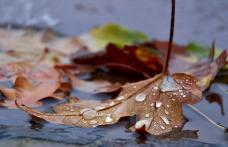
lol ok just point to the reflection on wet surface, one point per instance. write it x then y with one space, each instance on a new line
215 105
216 98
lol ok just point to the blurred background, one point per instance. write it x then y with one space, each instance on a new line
196 20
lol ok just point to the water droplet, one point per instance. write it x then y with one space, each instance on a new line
89 114
158 104
168 84
108 119
139 124
156 88
140 97
112 104
165 119
120 98
92 122
166 112
71 109
83 110
184 96
168 106
134 87
99 108
163 127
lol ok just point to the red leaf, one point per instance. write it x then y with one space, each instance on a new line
130 58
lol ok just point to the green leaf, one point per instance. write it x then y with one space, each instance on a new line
201 51
196 49
119 35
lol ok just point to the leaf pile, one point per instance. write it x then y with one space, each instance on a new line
156 101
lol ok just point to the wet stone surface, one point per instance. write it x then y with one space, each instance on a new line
151 16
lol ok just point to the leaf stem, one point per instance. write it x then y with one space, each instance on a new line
172 23
218 125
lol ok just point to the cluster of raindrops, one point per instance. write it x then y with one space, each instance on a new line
172 90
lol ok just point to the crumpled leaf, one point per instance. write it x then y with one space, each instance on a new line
129 59
157 103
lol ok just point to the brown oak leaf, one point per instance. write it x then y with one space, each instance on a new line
156 102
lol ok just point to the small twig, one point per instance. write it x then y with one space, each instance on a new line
218 125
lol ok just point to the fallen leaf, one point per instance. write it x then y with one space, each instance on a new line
11 70
31 89
32 41
156 102
31 82
129 59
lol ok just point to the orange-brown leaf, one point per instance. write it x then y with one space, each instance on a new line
156 102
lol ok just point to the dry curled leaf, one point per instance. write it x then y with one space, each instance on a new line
156 102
